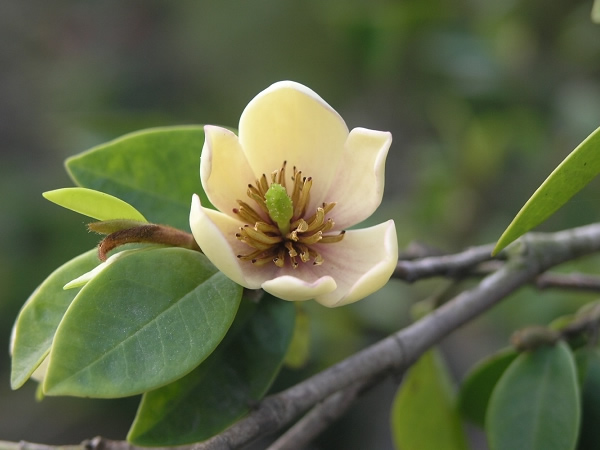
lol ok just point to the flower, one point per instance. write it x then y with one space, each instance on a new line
285 190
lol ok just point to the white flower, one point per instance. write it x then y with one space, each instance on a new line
285 190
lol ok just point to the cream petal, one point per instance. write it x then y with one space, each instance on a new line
288 287
358 186
224 170
361 263
215 234
289 122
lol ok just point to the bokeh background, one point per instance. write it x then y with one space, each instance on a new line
483 98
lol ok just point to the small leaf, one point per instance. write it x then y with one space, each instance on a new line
39 318
535 405
596 11
424 416
95 204
156 170
145 321
589 438
223 388
576 171
299 350
477 388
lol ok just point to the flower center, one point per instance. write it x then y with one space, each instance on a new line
283 232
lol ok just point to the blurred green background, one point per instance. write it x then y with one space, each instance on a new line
483 99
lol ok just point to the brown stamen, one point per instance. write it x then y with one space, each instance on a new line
263 234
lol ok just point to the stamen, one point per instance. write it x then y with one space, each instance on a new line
297 179
276 237
332 239
262 261
300 206
265 227
311 239
251 256
279 260
263 185
259 199
281 178
291 250
317 221
304 253
247 213
259 236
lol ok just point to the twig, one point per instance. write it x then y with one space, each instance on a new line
578 281
318 419
4 445
446 265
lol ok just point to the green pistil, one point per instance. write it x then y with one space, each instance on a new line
280 206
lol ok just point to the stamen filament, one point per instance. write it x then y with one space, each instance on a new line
260 236
312 239
300 205
332 239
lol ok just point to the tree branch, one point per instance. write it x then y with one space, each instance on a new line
532 255
450 266
526 259
577 281
318 419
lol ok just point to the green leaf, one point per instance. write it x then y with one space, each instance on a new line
576 171
223 388
38 320
424 416
299 350
596 11
144 321
95 204
536 405
156 170
589 438
477 388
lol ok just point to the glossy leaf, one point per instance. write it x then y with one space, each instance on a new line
576 171
223 388
39 318
95 204
144 321
424 415
156 170
477 388
536 405
589 438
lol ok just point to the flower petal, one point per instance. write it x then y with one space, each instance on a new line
291 288
289 122
358 186
215 234
361 263
224 170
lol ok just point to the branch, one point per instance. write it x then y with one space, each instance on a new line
318 419
528 258
451 266
537 253
578 281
